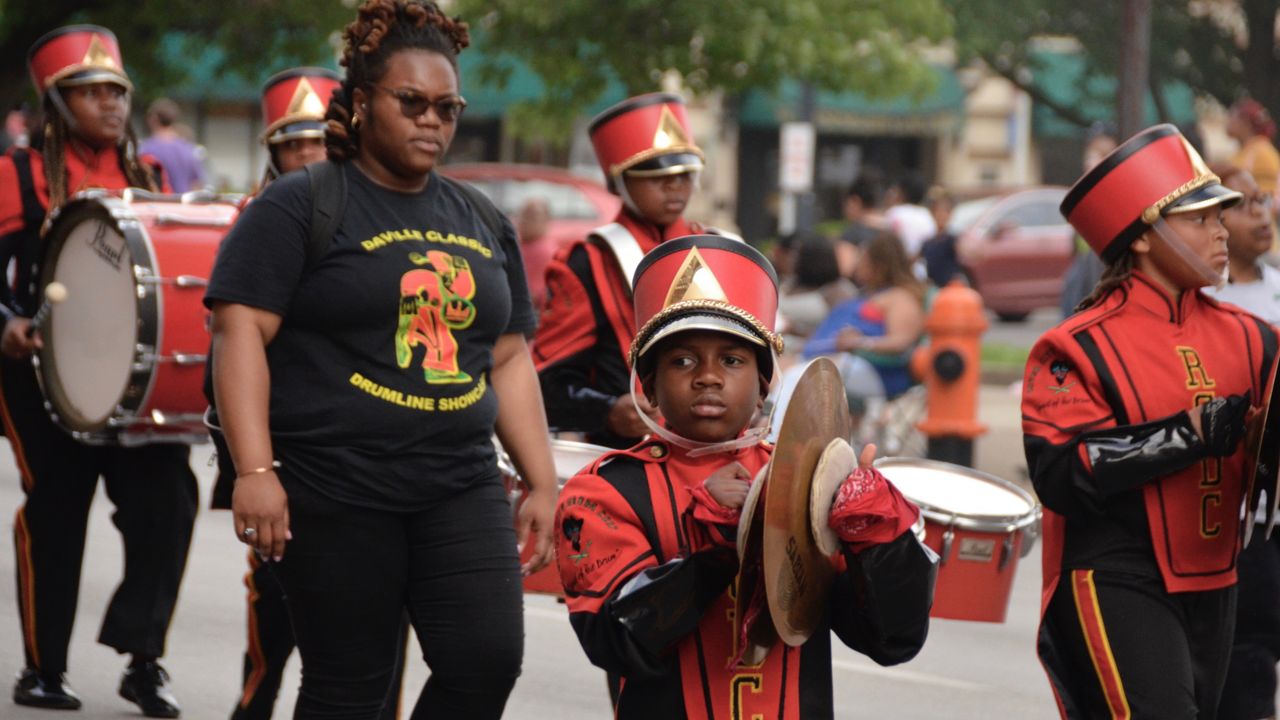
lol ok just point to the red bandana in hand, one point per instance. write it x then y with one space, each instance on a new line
869 510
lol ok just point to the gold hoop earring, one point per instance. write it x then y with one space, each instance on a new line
355 122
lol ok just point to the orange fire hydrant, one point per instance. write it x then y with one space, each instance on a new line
949 368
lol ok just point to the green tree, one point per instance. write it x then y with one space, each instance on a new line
578 47
1219 48
253 38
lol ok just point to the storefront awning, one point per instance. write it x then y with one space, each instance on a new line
856 114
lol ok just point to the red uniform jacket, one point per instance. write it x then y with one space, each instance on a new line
1140 356
86 169
586 327
631 511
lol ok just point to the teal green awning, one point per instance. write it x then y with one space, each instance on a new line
856 113
1061 76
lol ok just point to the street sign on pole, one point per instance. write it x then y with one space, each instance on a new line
795 157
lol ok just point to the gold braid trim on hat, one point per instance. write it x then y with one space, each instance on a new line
685 307
1152 213
650 153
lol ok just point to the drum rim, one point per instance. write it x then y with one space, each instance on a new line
137 387
980 523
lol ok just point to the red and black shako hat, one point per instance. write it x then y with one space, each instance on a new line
76 55
705 282
645 136
1154 173
294 103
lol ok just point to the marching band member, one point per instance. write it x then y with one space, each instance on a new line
1133 413
87 143
646 535
376 491
646 149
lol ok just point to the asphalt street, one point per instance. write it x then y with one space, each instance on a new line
966 670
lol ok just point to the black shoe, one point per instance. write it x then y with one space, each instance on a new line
44 690
147 684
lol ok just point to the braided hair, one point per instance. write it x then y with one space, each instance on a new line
1115 275
381 29
53 146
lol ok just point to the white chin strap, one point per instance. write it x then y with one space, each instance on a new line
698 448
1205 274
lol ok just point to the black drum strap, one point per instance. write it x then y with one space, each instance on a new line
328 202
23 245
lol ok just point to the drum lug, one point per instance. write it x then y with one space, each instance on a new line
1006 551
147 360
182 281
948 537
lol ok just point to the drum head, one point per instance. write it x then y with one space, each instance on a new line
952 493
89 337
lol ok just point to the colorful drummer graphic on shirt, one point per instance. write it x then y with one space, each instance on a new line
399 320
435 301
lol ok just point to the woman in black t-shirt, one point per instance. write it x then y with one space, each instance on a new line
359 393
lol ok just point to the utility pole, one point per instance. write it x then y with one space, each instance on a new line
1135 60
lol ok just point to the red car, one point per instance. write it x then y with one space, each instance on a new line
1016 248
578 205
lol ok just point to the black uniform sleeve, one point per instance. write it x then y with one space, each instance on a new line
261 259
880 604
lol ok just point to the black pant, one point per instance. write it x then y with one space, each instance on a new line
1250 692
154 492
1117 641
350 573
271 644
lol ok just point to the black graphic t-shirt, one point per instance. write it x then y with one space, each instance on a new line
380 387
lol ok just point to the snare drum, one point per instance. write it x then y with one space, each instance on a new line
569 457
124 354
979 525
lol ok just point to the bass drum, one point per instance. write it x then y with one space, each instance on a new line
124 354
569 457
979 525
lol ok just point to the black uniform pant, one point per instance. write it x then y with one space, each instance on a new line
351 573
154 492
271 643
1250 692
1119 645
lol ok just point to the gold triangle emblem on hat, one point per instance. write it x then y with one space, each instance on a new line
305 101
694 281
1197 163
97 56
670 133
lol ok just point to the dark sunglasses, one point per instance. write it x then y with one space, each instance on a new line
414 105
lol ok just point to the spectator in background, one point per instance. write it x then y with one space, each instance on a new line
939 252
1250 124
14 133
179 156
1086 269
909 219
862 207
536 248
813 289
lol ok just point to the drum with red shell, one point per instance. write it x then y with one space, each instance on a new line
124 354
979 525
570 457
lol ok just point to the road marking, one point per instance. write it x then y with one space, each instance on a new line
911 677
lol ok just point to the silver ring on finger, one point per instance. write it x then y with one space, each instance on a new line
249 534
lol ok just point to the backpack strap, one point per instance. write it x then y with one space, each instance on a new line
328 202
